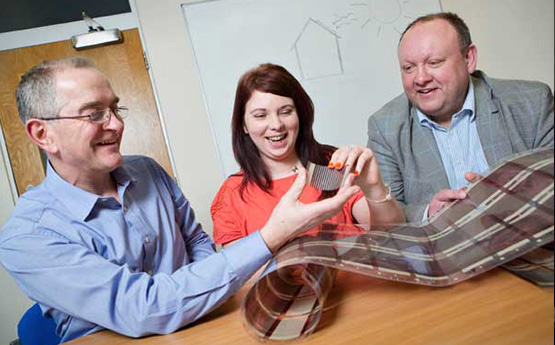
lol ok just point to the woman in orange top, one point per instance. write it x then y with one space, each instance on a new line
272 136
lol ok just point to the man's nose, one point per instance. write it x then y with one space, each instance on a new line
114 123
422 75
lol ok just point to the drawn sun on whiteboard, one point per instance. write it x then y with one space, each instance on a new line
384 14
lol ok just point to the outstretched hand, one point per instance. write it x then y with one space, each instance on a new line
291 218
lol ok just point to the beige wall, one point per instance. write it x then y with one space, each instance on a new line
181 102
514 38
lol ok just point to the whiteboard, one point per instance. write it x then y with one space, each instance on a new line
344 53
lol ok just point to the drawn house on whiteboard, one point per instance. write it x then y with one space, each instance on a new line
318 51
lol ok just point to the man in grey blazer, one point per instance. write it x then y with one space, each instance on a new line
452 123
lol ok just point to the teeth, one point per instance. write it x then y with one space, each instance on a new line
277 137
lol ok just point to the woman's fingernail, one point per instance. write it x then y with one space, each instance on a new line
338 166
331 165
356 173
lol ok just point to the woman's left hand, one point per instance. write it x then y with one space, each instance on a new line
363 164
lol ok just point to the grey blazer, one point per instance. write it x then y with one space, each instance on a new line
512 116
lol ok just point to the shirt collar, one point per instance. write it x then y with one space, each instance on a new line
77 200
122 176
469 107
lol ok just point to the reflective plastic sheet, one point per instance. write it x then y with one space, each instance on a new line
506 215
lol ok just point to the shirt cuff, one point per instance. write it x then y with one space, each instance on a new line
246 265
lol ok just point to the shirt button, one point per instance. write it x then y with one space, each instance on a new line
147 239
149 272
125 208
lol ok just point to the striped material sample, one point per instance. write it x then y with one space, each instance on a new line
323 178
507 214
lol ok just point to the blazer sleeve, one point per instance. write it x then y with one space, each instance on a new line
381 143
544 131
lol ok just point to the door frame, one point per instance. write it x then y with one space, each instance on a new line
8 167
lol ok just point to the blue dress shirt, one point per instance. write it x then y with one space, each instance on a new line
459 146
141 267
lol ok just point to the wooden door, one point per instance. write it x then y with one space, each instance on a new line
124 66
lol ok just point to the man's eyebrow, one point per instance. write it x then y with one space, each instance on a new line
96 104
89 105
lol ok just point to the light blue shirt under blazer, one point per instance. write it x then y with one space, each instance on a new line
459 146
141 267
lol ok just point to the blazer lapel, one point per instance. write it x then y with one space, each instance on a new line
430 162
492 131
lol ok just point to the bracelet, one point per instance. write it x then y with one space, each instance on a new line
387 198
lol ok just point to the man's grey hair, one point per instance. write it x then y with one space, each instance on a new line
36 92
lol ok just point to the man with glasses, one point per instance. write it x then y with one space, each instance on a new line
108 241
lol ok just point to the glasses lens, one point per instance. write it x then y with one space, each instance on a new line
100 116
121 112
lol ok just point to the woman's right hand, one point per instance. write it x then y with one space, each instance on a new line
379 206
291 218
362 162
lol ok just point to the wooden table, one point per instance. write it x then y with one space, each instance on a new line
494 308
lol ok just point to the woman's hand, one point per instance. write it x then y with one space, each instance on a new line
377 207
361 162
291 218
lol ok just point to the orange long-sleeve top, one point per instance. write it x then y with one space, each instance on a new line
235 217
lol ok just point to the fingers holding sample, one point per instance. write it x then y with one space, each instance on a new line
291 217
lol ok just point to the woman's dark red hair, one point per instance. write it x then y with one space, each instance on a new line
277 80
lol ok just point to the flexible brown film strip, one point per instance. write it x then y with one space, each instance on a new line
507 214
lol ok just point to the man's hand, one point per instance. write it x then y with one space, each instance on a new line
443 198
472 177
446 196
291 217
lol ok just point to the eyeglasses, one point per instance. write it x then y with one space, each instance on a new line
98 117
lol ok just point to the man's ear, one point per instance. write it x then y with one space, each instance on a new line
41 135
471 58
